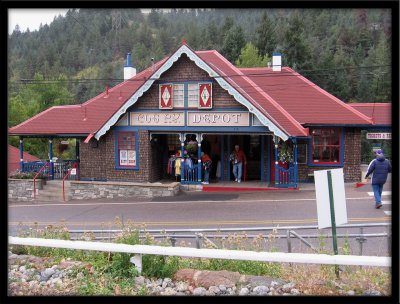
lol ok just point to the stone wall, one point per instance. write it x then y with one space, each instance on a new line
91 190
22 189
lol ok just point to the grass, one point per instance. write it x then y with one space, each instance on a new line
113 274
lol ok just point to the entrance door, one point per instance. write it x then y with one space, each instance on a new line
251 146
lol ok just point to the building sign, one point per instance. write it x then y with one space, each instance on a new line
158 119
205 94
218 119
166 96
379 135
132 158
123 157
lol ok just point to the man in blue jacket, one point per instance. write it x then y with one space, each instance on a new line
381 167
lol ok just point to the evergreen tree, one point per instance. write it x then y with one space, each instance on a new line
296 53
233 43
265 39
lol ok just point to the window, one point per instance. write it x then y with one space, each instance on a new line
178 95
127 157
193 95
326 146
301 153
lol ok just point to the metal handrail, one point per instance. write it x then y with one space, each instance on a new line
37 174
74 166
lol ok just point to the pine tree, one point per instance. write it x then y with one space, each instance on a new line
265 36
233 43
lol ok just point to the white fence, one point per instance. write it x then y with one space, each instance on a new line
138 250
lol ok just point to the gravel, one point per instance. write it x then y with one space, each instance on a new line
32 278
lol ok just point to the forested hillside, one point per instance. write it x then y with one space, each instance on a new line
345 51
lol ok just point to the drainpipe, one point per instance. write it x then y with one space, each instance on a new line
51 158
21 154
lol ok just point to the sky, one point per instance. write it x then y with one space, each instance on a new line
32 18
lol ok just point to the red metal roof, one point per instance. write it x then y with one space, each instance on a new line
251 91
381 113
86 118
286 98
13 159
304 100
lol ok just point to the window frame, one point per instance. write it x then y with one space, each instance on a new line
330 145
134 146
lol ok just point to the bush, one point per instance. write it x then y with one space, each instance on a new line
27 175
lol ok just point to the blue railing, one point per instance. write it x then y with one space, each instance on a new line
60 169
286 177
190 172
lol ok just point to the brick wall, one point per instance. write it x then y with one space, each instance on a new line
352 155
352 158
184 70
99 163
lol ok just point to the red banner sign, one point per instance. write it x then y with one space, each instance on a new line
166 96
205 96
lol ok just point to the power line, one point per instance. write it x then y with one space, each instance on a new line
264 74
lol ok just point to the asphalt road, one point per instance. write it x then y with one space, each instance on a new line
197 210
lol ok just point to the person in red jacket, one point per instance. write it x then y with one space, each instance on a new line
206 161
238 158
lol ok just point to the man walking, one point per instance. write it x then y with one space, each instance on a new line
380 167
237 158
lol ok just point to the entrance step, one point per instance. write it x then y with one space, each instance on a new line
52 191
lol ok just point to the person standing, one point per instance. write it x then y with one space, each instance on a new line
380 167
206 161
238 158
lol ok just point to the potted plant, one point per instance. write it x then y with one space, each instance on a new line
285 155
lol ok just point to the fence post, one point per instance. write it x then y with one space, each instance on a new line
137 261
197 241
289 241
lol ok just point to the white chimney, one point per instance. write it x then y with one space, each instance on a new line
276 62
129 69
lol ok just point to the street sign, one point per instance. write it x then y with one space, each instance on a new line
64 142
379 135
322 196
73 171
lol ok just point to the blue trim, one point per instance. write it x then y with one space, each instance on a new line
262 157
186 110
199 164
276 162
222 142
296 168
51 158
229 163
341 156
21 155
345 126
117 130
129 61
276 54
233 130
268 179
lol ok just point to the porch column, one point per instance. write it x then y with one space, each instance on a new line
276 140
199 157
262 157
182 138
51 158
77 157
295 161
229 163
21 154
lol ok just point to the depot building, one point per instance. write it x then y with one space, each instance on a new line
197 101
